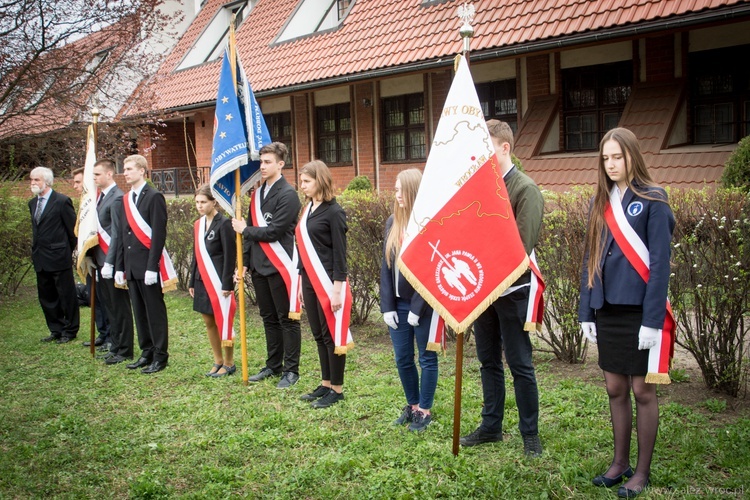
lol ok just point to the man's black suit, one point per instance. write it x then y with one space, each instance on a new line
53 241
116 300
280 207
147 301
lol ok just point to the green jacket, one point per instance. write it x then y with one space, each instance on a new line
528 206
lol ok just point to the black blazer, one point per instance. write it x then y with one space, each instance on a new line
137 258
53 239
389 286
280 208
222 247
327 229
109 213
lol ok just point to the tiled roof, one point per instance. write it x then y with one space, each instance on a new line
379 34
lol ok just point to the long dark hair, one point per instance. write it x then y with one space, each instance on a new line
641 184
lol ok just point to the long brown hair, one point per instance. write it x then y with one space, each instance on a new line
410 180
641 184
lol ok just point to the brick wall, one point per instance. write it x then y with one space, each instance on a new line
660 58
203 137
537 71
364 111
170 151
301 131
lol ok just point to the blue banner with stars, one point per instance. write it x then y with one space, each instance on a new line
239 133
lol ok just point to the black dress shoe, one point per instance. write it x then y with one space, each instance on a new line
139 364
608 482
624 492
480 436
262 375
288 379
318 393
51 338
114 359
99 341
64 340
154 367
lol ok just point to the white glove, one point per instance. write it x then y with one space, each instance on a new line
107 271
413 319
391 319
151 278
88 263
647 338
589 331
120 278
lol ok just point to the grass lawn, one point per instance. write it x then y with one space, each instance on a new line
72 427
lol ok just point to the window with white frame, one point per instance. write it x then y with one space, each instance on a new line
210 44
312 16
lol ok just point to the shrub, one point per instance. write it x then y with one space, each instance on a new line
360 183
710 282
181 216
560 255
737 168
366 213
15 233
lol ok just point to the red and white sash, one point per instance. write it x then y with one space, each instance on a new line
535 307
104 238
338 322
660 356
142 231
436 339
224 307
286 266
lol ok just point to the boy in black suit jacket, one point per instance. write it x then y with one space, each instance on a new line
140 266
53 221
280 206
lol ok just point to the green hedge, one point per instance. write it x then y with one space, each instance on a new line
15 234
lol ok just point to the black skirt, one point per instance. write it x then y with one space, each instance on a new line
201 301
617 328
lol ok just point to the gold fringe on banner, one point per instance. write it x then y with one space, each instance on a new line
658 378
436 347
342 349
530 326
295 315
227 343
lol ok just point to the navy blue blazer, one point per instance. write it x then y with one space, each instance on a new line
388 285
620 283
53 238
221 246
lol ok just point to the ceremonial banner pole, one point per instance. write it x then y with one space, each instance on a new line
92 304
238 215
466 13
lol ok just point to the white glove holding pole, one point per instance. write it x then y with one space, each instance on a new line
151 278
391 319
120 278
589 331
88 262
648 337
108 271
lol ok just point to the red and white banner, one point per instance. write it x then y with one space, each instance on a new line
535 308
660 356
88 221
224 306
462 249
286 266
338 322
436 338
142 231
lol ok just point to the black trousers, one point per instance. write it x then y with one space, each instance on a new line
116 302
331 365
283 335
500 328
150 319
100 314
57 296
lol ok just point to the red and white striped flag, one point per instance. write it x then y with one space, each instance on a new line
462 248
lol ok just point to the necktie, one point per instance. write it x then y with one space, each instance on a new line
39 208
134 197
101 197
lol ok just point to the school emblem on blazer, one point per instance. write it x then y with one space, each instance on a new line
635 208
267 216
211 235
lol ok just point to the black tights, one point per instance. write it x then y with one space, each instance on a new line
647 424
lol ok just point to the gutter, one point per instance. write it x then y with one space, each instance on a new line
636 30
